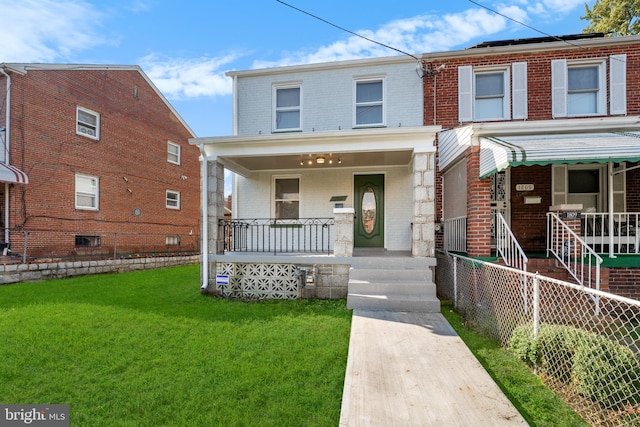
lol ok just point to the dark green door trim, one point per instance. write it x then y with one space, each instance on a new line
368 194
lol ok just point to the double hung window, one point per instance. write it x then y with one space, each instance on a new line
287 116
287 198
87 123
369 105
87 192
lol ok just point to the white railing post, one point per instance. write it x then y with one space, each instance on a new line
507 245
536 304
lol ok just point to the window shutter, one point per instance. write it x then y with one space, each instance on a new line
618 84
465 93
559 184
519 90
559 88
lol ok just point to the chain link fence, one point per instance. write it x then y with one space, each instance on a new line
583 343
32 245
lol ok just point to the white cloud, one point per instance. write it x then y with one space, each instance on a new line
424 33
46 30
432 33
188 78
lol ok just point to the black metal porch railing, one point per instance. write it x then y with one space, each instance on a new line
303 235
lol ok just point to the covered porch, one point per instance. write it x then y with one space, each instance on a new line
564 189
320 195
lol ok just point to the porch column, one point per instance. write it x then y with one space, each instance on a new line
424 205
478 207
343 241
215 205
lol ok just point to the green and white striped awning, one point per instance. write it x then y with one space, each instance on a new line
498 153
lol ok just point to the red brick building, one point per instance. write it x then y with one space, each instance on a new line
535 127
96 162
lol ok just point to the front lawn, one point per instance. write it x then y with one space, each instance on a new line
146 349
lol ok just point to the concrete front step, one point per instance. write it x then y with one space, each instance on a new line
414 288
391 302
392 284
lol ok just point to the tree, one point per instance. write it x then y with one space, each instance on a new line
618 17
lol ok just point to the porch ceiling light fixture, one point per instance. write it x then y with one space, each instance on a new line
320 160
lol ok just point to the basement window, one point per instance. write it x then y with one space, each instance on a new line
87 241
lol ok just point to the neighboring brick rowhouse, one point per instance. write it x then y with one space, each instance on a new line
129 159
444 112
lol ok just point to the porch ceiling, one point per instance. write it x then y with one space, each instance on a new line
372 147
310 161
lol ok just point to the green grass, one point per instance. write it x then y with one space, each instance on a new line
538 405
146 349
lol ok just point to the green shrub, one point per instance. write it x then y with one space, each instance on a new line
522 345
600 369
606 372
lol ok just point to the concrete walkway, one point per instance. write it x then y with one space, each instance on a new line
412 369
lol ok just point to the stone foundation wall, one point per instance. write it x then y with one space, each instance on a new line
14 273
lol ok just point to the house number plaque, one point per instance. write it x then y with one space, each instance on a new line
524 187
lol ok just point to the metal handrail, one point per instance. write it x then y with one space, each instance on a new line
507 245
455 234
580 260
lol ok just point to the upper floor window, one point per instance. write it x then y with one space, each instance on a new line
173 199
173 153
287 108
287 198
485 93
579 87
369 105
87 192
87 123
490 91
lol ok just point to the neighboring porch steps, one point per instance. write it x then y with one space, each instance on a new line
392 284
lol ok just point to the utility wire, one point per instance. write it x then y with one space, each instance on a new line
348 31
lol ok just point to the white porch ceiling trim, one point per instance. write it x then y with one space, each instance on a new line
230 151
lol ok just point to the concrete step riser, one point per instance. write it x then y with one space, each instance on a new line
392 263
390 275
362 302
400 288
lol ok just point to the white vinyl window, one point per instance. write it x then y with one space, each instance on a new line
87 123
173 153
173 199
287 198
87 190
579 88
583 90
490 95
369 105
484 93
288 109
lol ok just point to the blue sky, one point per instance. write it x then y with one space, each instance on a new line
186 46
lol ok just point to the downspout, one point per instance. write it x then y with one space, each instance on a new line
7 141
205 219
610 197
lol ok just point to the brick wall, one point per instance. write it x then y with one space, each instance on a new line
538 79
529 221
625 282
130 160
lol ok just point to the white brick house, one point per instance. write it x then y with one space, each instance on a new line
327 158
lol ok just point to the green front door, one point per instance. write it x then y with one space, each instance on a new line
368 194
